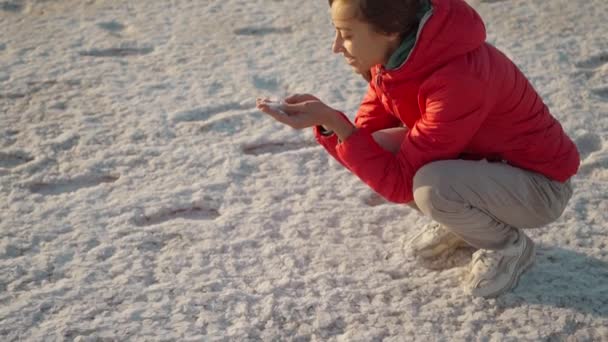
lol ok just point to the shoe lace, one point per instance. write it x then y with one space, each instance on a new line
435 229
486 259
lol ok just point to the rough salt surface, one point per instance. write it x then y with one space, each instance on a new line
143 197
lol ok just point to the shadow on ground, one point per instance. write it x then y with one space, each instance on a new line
565 279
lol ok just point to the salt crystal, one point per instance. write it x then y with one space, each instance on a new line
276 106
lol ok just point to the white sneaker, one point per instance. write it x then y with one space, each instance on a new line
435 240
493 272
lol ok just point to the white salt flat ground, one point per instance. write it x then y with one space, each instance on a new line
142 197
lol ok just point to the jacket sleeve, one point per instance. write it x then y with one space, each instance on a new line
371 115
452 111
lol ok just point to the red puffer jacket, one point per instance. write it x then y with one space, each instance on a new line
460 97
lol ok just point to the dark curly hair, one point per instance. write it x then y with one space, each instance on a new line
388 16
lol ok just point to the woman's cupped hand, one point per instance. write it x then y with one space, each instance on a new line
298 111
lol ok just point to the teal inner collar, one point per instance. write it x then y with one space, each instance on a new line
403 51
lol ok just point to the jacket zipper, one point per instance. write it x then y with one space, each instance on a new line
378 76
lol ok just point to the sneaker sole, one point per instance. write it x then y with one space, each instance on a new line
523 264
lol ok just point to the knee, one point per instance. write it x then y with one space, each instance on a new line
428 176
427 188
424 184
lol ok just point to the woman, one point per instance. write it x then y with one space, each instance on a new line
450 126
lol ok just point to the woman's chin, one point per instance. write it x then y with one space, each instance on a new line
364 73
367 75
358 69
355 68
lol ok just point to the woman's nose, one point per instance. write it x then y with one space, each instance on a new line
337 45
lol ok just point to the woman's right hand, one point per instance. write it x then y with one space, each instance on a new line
303 110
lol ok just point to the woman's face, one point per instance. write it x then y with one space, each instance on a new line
360 44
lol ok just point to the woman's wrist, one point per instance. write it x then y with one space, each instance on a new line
340 125
324 131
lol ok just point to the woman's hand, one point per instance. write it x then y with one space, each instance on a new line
304 110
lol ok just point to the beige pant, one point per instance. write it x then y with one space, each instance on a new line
480 201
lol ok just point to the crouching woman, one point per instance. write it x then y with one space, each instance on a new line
450 126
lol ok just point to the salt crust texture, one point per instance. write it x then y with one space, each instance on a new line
143 197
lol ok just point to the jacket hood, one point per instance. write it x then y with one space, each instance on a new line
450 29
